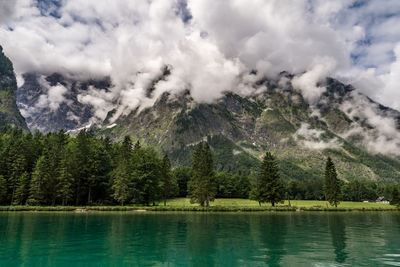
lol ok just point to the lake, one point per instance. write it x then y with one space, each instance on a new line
200 239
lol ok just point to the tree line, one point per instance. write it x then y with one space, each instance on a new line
58 169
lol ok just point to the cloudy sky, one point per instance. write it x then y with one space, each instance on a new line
209 46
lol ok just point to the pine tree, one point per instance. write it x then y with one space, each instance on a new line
194 185
395 197
268 186
333 191
65 182
122 181
122 174
22 190
3 190
166 179
40 178
18 168
202 186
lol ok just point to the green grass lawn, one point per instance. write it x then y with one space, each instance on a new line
234 202
222 204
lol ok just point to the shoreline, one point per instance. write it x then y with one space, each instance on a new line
143 209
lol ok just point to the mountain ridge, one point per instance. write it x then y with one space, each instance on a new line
239 128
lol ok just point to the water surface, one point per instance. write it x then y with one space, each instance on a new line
200 239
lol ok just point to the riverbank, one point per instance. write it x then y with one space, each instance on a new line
219 205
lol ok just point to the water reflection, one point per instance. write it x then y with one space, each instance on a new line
199 239
272 231
337 229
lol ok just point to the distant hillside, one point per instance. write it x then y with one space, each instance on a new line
240 129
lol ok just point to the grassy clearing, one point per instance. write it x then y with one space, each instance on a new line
229 204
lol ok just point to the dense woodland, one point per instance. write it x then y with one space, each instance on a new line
58 169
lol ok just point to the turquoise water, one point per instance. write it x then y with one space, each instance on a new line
199 239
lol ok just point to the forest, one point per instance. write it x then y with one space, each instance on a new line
59 169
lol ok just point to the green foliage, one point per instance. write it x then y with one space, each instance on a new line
66 181
22 190
332 184
39 182
3 189
232 185
168 183
395 197
268 187
202 186
182 176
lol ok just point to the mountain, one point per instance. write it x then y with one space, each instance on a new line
50 103
361 136
9 113
241 128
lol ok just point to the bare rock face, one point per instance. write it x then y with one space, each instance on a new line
9 113
50 103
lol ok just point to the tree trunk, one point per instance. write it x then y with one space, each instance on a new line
289 202
259 203
273 204
165 202
208 203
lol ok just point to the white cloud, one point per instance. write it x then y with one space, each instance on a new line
132 42
307 82
379 133
313 138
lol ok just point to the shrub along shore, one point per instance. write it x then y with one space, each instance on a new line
219 205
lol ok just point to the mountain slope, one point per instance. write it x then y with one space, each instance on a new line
50 103
241 128
9 113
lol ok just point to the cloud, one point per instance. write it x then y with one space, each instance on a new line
207 46
7 9
374 128
314 138
307 83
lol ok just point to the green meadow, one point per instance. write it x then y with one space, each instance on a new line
222 204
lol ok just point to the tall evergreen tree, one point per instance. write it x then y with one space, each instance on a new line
202 186
268 185
66 181
333 191
22 190
122 183
166 179
3 190
40 177
122 174
18 168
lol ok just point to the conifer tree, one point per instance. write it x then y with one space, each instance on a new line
40 178
65 184
268 185
166 179
18 168
22 190
202 186
333 191
122 174
3 190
